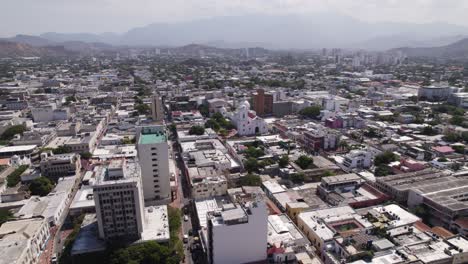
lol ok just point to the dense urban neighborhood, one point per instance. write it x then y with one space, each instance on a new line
198 154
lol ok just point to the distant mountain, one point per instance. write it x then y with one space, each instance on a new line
281 32
407 40
11 50
458 50
34 41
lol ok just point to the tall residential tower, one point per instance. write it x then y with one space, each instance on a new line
153 155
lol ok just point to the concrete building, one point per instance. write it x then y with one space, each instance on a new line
153 156
262 103
357 159
50 112
285 242
157 111
436 92
85 142
238 233
207 182
22 241
56 166
119 200
459 99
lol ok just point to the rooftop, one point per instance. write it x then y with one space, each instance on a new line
156 224
152 138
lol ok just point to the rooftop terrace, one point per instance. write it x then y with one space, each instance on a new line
152 138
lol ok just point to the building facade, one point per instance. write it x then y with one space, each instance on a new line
239 234
119 200
153 156
157 111
262 103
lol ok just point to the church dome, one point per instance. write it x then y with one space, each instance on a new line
246 103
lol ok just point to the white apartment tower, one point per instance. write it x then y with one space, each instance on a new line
119 200
238 234
157 112
153 155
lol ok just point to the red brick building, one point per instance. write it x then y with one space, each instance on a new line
262 103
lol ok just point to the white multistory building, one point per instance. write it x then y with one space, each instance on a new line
153 156
358 159
247 122
238 233
119 200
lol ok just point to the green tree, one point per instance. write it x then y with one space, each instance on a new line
12 131
41 186
382 170
385 158
143 109
86 155
452 137
371 133
304 162
204 110
5 215
283 161
15 177
251 165
428 131
328 173
457 120
251 180
297 178
147 252
62 150
253 152
197 130
311 111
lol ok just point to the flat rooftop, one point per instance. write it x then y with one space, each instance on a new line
156 226
152 138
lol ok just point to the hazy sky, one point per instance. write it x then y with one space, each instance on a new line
39 16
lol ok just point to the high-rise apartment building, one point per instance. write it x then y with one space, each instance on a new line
157 111
263 103
153 156
119 200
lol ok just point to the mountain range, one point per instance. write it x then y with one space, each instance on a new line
271 32
274 32
456 50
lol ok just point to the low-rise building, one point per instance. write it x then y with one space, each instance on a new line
22 241
60 165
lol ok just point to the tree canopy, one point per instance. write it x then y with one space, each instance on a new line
41 186
311 111
251 180
197 130
385 158
283 161
297 178
253 152
305 162
12 131
251 165
15 177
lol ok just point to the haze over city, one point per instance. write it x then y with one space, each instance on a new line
233 132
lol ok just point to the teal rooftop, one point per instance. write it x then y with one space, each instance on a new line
152 138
